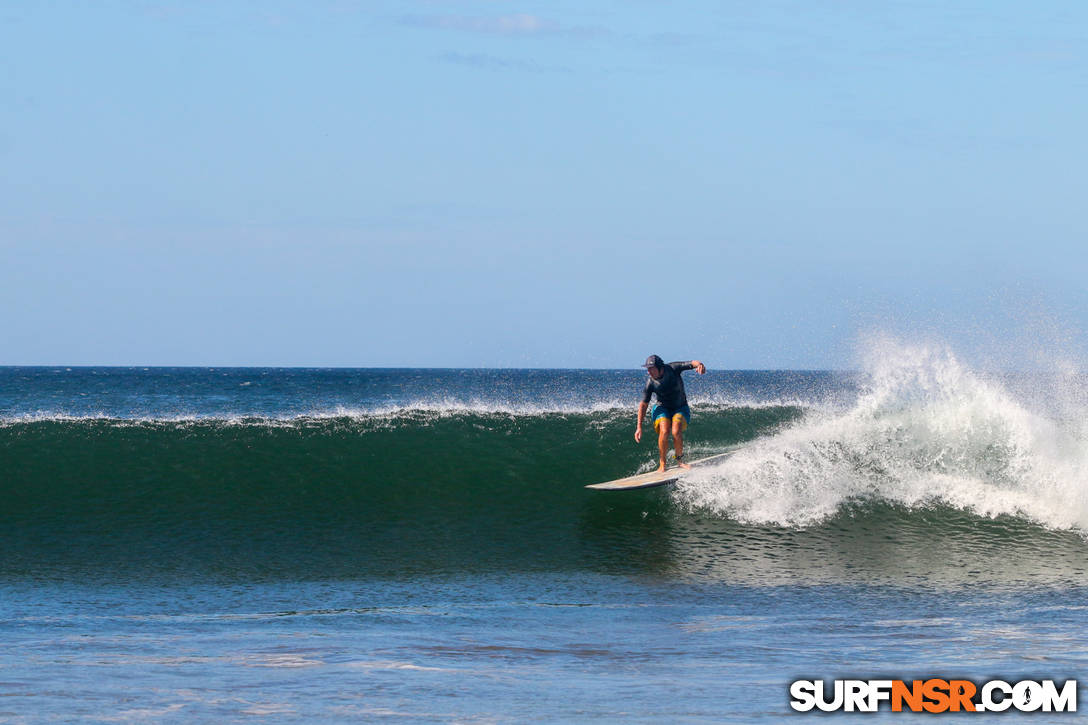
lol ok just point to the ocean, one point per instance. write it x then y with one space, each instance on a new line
417 545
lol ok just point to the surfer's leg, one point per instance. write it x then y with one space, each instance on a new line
662 425
678 440
679 425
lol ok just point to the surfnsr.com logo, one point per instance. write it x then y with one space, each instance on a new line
934 695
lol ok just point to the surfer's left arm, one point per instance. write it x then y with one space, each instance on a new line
689 365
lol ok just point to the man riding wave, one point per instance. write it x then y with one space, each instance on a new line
671 414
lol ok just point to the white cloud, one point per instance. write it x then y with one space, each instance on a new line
516 24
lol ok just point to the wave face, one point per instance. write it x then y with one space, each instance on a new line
916 469
350 494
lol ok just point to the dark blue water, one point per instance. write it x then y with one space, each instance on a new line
326 545
165 393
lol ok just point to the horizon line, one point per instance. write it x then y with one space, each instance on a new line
70 366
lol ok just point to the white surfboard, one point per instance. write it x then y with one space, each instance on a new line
658 478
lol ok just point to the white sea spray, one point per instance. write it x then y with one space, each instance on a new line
925 430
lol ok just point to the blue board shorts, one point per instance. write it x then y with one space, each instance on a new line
661 413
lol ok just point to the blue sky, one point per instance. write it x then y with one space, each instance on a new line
539 184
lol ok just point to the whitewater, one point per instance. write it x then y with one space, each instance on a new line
924 430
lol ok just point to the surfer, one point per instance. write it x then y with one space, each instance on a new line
671 414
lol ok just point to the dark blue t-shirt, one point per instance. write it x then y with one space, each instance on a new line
670 388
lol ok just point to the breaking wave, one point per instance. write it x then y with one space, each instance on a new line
924 432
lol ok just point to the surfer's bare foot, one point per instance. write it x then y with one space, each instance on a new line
661 467
683 465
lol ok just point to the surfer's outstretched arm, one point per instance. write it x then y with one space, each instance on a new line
689 365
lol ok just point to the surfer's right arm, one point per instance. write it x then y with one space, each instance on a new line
647 393
641 414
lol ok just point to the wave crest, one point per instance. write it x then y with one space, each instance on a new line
924 431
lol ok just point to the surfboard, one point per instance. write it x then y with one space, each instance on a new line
658 478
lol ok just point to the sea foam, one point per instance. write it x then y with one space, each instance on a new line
925 430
